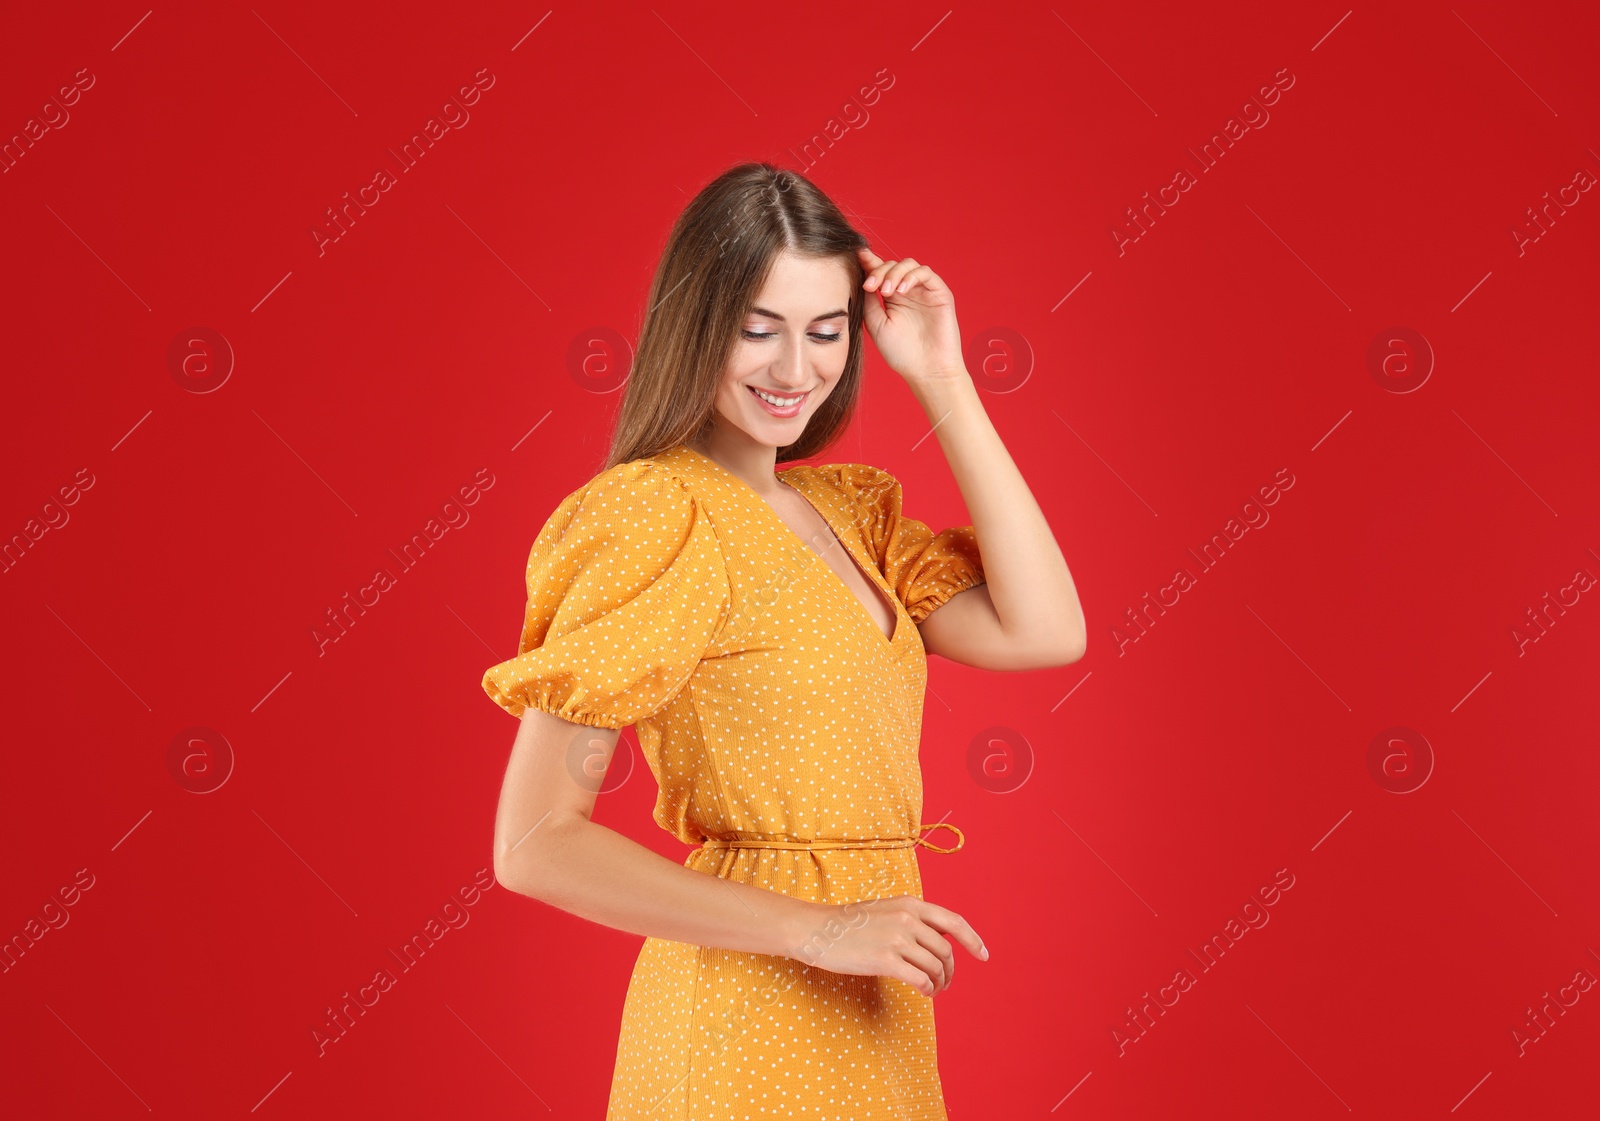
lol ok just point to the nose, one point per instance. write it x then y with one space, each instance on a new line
789 370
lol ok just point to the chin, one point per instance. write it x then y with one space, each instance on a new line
761 425
778 436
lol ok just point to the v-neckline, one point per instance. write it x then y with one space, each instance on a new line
873 578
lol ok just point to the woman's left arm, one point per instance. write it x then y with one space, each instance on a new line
1026 615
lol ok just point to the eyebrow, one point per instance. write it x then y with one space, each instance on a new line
774 315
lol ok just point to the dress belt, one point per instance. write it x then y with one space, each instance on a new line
755 841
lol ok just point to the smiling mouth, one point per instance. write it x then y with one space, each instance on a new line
778 401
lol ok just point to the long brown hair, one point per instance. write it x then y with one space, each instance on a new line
713 267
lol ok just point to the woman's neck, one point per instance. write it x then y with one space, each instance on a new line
743 457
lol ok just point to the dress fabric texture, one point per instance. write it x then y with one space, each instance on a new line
782 728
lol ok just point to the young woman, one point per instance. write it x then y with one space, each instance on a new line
765 631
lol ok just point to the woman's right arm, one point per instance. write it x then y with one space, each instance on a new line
546 847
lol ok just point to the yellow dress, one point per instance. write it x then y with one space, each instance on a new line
782 728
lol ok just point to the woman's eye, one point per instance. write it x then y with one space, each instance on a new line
820 336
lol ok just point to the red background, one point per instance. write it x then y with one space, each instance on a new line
1171 776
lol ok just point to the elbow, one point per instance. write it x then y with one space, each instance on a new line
508 872
1057 658
519 862
1077 643
1021 658
1071 650
1049 643
515 868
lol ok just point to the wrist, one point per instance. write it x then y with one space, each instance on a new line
957 372
938 392
800 924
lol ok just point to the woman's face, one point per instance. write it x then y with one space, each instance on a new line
792 347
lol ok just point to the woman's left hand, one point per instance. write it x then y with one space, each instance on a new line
914 328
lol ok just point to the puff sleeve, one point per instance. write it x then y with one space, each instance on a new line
923 567
626 587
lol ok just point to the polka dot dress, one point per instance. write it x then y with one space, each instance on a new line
782 726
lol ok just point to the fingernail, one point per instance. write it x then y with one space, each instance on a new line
985 951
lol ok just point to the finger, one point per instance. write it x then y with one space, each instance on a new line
881 269
871 259
874 316
928 962
936 944
891 283
948 922
922 275
918 979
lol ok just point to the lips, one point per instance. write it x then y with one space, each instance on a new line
775 393
775 410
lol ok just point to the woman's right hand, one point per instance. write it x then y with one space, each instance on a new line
901 936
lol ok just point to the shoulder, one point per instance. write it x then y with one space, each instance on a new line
639 485
860 485
859 494
640 500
